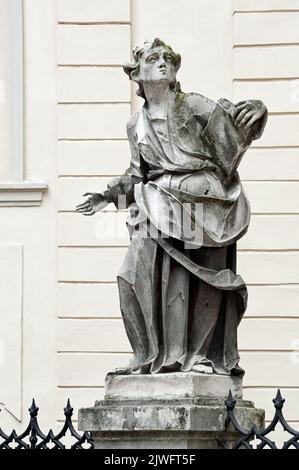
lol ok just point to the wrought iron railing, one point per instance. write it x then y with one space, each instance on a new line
261 437
34 438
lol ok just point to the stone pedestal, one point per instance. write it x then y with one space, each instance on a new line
167 411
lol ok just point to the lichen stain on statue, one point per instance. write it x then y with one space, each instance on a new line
180 296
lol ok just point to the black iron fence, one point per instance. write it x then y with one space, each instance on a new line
261 438
34 438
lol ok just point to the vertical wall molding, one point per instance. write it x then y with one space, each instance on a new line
17 83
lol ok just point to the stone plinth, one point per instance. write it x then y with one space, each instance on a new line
167 411
171 386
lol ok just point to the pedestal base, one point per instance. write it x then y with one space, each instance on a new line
167 411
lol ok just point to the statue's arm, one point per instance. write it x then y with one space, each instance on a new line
202 107
248 114
230 128
120 190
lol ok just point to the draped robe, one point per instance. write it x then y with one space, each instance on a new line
180 297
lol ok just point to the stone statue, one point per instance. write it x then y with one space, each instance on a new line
180 297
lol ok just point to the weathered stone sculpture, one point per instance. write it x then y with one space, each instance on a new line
180 297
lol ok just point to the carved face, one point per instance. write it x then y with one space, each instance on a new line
156 65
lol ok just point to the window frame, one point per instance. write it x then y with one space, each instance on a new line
17 191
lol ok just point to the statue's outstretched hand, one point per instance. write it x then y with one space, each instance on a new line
248 112
94 203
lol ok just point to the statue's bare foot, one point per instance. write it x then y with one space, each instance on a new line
202 368
127 370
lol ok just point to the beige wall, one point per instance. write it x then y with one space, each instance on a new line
28 325
266 41
242 49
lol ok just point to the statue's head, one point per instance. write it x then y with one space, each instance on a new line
155 61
